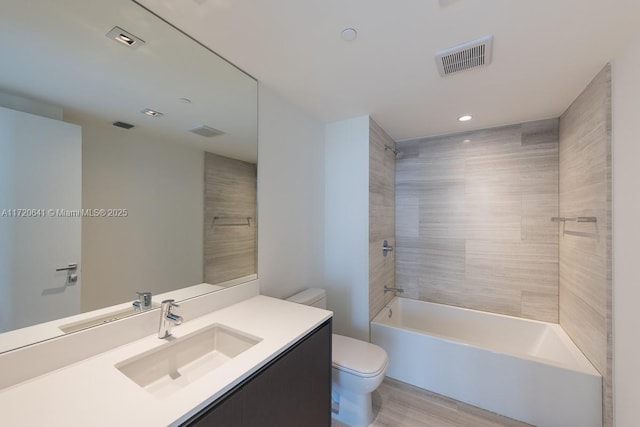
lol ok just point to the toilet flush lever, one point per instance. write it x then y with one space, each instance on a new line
386 248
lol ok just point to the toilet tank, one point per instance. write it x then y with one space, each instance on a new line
315 297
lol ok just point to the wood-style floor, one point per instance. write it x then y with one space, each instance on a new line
396 404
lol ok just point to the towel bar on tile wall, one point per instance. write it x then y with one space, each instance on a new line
230 221
576 219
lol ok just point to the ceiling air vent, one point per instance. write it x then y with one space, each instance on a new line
465 56
206 131
123 125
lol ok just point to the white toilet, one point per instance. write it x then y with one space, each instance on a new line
358 368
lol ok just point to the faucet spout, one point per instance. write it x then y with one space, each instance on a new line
168 319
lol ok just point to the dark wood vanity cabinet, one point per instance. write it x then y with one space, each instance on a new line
226 413
292 390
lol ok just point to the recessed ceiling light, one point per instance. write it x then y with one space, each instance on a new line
464 118
125 37
467 140
151 113
349 34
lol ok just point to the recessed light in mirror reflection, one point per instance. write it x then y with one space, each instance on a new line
151 113
124 37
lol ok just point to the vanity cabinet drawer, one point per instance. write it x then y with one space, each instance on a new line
292 390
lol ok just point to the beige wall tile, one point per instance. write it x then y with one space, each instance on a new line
381 217
541 132
482 212
585 248
229 242
535 304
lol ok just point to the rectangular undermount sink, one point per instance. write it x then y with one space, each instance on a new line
169 368
102 319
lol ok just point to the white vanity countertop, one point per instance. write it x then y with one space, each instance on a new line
94 392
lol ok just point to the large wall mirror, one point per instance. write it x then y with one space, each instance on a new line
128 156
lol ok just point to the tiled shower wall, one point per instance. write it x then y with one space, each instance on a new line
473 224
381 217
229 218
585 248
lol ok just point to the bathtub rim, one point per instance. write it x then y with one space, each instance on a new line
586 367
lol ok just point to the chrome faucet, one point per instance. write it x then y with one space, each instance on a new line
143 303
398 290
167 318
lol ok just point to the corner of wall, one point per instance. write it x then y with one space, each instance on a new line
626 234
31 106
346 254
290 197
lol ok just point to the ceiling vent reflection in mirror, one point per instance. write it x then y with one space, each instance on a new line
125 37
472 54
206 131
123 125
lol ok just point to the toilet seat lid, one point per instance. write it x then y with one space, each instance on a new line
358 357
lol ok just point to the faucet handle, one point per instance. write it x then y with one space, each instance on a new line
143 302
145 297
168 303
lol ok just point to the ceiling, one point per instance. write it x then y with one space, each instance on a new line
545 53
56 52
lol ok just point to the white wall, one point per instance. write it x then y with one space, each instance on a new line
313 209
159 245
290 197
347 225
626 235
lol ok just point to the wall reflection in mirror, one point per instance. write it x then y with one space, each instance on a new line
128 160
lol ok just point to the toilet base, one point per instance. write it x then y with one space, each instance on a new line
355 410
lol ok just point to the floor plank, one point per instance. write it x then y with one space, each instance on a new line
396 404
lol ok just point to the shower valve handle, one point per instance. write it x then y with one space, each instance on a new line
386 248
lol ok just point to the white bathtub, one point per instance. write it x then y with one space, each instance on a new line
524 369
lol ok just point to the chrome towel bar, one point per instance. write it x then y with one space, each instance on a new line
576 219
